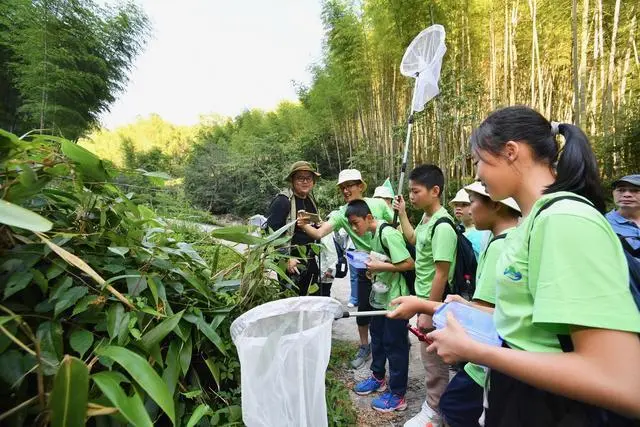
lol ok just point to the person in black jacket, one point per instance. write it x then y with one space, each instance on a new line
284 208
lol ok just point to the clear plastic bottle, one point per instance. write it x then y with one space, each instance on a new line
379 296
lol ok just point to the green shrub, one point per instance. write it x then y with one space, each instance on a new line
105 300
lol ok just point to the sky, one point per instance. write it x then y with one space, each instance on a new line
219 57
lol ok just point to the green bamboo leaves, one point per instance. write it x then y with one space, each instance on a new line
70 394
144 375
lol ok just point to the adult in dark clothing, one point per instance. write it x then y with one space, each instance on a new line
284 208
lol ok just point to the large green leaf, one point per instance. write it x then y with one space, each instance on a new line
214 369
207 330
136 283
17 282
20 217
81 341
279 232
197 415
115 317
237 234
172 371
193 281
69 298
185 355
157 178
131 407
144 375
51 347
14 367
70 394
118 250
90 165
155 335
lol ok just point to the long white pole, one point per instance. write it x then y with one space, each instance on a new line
407 143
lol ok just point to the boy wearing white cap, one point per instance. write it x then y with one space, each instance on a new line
352 187
462 211
383 193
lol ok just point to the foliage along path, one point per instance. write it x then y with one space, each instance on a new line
346 330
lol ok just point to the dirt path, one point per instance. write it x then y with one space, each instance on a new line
346 330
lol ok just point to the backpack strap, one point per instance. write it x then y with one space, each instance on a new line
564 340
548 204
628 248
494 238
382 227
442 220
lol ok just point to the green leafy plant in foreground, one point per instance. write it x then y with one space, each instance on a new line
107 315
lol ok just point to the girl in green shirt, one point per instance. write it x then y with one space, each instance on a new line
563 304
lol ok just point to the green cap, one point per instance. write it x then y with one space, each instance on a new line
301 166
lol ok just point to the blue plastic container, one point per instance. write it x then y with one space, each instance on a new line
357 259
477 323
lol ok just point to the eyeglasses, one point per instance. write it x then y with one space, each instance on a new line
346 185
303 178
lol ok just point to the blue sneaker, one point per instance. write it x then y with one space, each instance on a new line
389 402
370 385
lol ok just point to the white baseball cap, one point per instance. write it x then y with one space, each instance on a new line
478 188
461 197
350 175
383 192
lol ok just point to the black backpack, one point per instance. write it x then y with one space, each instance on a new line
632 255
464 275
341 265
409 275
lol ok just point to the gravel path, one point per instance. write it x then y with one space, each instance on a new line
346 330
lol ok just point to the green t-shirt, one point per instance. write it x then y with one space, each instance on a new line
441 248
394 242
486 291
379 209
573 273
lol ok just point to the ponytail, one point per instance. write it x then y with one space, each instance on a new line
576 166
577 169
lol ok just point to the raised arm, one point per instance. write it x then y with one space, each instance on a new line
315 233
407 229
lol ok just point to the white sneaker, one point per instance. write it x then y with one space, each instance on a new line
427 417
350 305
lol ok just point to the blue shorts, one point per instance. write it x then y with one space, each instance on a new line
461 402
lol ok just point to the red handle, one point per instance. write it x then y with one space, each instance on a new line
421 336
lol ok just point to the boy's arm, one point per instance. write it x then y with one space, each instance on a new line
440 280
408 306
407 229
378 266
444 244
316 233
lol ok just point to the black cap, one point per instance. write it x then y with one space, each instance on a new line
629 179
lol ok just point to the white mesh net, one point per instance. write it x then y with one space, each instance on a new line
284 349
423 59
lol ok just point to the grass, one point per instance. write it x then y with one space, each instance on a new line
340 408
